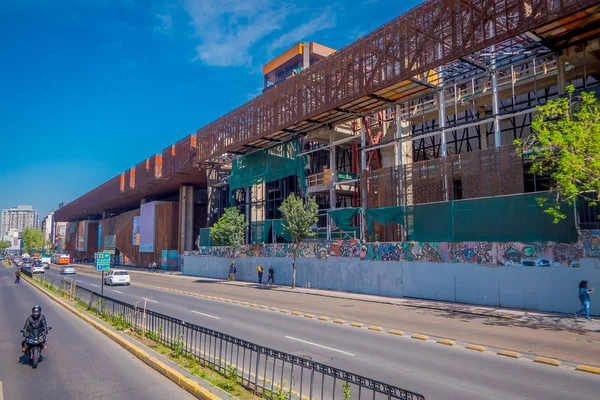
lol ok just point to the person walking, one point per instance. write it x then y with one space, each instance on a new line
150 267
17 276
259 270
271 279
154 266
232 272
584 298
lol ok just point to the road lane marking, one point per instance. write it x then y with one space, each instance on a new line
1 392
319 345
117 291
206 315
151 301
94 285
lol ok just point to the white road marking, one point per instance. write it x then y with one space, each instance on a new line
206 315
319 345
1 392
151 301
117 291
94 285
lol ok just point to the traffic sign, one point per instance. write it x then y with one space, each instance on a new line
103 261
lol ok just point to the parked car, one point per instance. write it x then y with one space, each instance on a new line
68 270
38 269
117 277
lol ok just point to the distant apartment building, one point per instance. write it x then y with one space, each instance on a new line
48 227
13 238
19 218
60 234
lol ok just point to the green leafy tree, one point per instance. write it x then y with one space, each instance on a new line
4 244
33 239
230 230
565 145
299 217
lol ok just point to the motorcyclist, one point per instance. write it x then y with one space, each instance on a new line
35 321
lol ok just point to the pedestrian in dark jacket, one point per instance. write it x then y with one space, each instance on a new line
271 279
17 276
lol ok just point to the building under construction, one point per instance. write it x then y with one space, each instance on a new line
405 134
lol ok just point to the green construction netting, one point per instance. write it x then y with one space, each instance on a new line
280 231
344 217
260 231
516 218
205 237
511 219
429 222
268 165
383 215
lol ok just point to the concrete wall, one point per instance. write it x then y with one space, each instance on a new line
534 288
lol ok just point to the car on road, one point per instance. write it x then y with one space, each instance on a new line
117 277
68 270
45 265
38 269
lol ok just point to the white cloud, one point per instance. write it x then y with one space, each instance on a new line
325 20
229 29
165 23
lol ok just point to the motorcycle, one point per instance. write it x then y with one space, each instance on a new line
36 342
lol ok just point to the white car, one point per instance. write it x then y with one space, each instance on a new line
117 277
38 269
68 270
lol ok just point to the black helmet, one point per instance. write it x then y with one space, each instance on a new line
36 311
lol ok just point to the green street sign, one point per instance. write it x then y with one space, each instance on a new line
103 261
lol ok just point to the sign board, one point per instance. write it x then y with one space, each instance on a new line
102 261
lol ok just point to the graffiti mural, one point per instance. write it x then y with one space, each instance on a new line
534 254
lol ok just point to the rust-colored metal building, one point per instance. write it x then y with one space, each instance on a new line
423 109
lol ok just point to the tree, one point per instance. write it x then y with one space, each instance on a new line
565 144
33 239
230 230
298 218
4 244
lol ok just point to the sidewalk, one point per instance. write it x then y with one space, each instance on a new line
524 317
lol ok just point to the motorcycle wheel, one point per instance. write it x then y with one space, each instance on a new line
35 352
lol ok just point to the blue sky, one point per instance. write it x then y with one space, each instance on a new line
92 87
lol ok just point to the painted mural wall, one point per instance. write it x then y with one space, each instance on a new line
543 254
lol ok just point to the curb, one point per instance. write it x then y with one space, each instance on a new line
547 361
507 353
475 347
588 369
419 336
446 342
170 373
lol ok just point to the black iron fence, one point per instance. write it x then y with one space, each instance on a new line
270 373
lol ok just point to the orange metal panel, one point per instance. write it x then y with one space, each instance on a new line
285 57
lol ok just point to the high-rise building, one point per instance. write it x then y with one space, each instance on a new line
48 227
18 218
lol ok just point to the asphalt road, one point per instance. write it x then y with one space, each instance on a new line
80 363
437 371
539 334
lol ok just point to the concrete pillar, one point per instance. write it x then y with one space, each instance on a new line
495 101
186 218
105 214
306 55
363 167
332 180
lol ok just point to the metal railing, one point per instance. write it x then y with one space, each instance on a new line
270 373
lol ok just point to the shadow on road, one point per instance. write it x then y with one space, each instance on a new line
532 321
